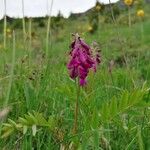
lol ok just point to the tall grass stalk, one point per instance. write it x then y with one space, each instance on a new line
48 33
142 37
131 143
11 72
30 32
24 30
140 140
23 22
142 30
112 12
5 24
30 37
129 17
98 23
115 24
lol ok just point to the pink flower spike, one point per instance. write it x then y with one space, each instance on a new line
82 82
82 60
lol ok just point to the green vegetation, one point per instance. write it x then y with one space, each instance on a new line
114 107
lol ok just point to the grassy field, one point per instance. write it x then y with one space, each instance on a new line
114 107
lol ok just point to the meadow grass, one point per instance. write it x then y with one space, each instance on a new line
36 83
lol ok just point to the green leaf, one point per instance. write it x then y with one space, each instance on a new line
34 130
51 122
23 121
121 104
113 107
140 140
25 128
41 120
35 120
7 133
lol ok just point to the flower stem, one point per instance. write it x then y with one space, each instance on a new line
23 23
112 12
11 71
129 16
115 23
30 39
48 33
75 129
142 30
5 25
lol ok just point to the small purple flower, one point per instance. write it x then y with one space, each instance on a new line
82 60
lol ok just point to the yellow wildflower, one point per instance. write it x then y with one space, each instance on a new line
8 30
140 13
90 28
128 2
98 7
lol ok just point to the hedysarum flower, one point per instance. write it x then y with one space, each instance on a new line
82 59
